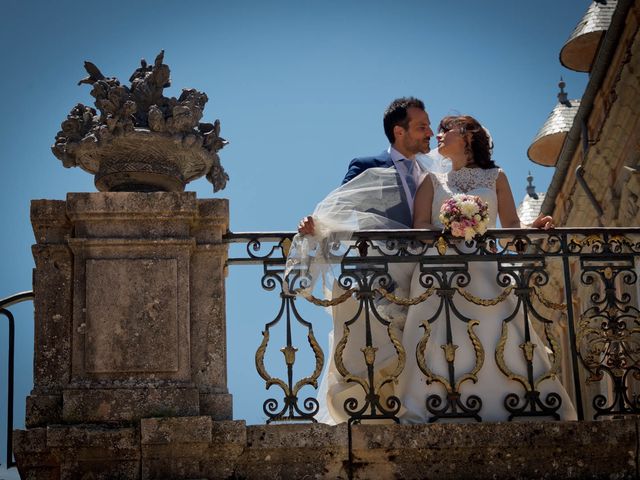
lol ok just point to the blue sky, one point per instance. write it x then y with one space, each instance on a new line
299 88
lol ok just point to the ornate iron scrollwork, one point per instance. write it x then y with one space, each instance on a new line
527 277
374 405
608 338
290 410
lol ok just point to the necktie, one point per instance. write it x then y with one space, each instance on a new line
409 178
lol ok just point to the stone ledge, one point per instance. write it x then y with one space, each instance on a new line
91 436
127 404
498 450
197 447
114 204
163 431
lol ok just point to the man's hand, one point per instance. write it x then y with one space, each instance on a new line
306 226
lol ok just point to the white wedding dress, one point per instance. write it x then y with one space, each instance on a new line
484 399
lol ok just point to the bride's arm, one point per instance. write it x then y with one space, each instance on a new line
506 205
507 208
422 205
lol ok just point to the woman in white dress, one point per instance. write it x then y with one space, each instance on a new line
465 361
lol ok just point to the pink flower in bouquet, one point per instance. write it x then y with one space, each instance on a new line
465 216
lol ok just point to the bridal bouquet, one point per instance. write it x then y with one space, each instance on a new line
465 216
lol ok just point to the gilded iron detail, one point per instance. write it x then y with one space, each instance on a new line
405 301
369 354
546 302
289 354
441 246
527 348
449 352
486 302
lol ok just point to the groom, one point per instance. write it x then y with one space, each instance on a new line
407 126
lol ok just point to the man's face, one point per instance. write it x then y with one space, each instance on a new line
415 139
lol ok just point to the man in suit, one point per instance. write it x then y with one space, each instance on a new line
408 129
406 125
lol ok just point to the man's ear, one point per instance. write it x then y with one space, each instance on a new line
398 132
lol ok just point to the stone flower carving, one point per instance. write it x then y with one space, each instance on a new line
138 139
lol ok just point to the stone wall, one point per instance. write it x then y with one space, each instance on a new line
611 165
614 143
198 447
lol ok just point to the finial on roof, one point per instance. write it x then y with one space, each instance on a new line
531 190
562 96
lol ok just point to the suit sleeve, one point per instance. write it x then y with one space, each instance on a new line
356 167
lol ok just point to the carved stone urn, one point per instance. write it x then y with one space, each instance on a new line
138 140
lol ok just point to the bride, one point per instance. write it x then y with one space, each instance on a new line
466 361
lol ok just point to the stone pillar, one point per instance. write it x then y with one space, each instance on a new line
52 285
208 306
129 321
148 333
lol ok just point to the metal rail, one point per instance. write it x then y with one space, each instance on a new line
5 304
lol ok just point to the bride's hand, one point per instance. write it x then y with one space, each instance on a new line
544 222
306 226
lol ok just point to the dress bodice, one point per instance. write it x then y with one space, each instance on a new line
472 181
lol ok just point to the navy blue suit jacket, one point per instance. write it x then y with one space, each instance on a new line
400 213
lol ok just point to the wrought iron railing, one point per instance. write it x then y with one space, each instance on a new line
572 292
5 305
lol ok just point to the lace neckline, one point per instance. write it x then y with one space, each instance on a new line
466 179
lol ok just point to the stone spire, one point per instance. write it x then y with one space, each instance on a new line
531 204
562 95
531 189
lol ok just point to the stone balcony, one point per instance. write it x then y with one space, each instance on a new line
126 389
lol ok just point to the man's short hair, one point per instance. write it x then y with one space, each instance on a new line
396 114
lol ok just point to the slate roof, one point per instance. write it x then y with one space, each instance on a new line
580 49
559 121
597 18
529 209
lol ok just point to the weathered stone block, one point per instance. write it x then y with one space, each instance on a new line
219 406
139 332
101 469
231 432
131 309
127 404
495 450
49 221
43 410
35 459
162 431
132 215
213 220
294 451
124 440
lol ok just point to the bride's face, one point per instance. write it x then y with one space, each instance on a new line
451 144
